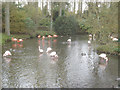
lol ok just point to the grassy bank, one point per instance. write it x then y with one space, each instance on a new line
4 38
110 48
45 33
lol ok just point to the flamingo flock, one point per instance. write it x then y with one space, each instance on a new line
49 36
49 50
17 40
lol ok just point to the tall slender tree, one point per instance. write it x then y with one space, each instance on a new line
7 19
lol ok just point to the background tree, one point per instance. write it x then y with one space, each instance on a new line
7 20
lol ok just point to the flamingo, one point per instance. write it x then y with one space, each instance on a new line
20 40
55 35
52 54
40 50
49 36
49 49
90 35
14 39
55 57
69 40
43 37
39 36
102 55
115 39
7 53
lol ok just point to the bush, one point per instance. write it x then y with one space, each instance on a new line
66 25
45 33
108 48
4 38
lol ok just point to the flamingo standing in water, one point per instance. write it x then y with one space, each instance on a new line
103 56
54 55
14 39
90 35
40 50
55 35
69 40
20 40
43 37
49 49
7 53
49 36
39 36
115 39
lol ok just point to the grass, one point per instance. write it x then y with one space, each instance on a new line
23 36
45 33
111 48
4 37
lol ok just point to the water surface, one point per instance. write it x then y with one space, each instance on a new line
78 65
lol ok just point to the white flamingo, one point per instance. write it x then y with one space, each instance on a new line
49 49
7 53
40 50
115 39
90 35
69 40
102 55
52 54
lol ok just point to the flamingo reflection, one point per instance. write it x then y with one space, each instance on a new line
14 45
20 45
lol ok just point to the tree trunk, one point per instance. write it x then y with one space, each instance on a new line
0 17
51 18
60 9
7 19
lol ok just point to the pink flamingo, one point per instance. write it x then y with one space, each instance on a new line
55 35
7 53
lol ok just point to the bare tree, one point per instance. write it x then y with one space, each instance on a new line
7 19
0 16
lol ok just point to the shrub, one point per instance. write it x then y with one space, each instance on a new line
66 25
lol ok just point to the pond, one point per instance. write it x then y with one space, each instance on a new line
77 66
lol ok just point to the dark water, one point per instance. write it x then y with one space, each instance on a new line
78 65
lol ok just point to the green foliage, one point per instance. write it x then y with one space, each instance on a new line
45 33
111 48
17 17
44 22
29 23
4 38
66 25
55 14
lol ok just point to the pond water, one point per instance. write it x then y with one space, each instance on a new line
77 66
